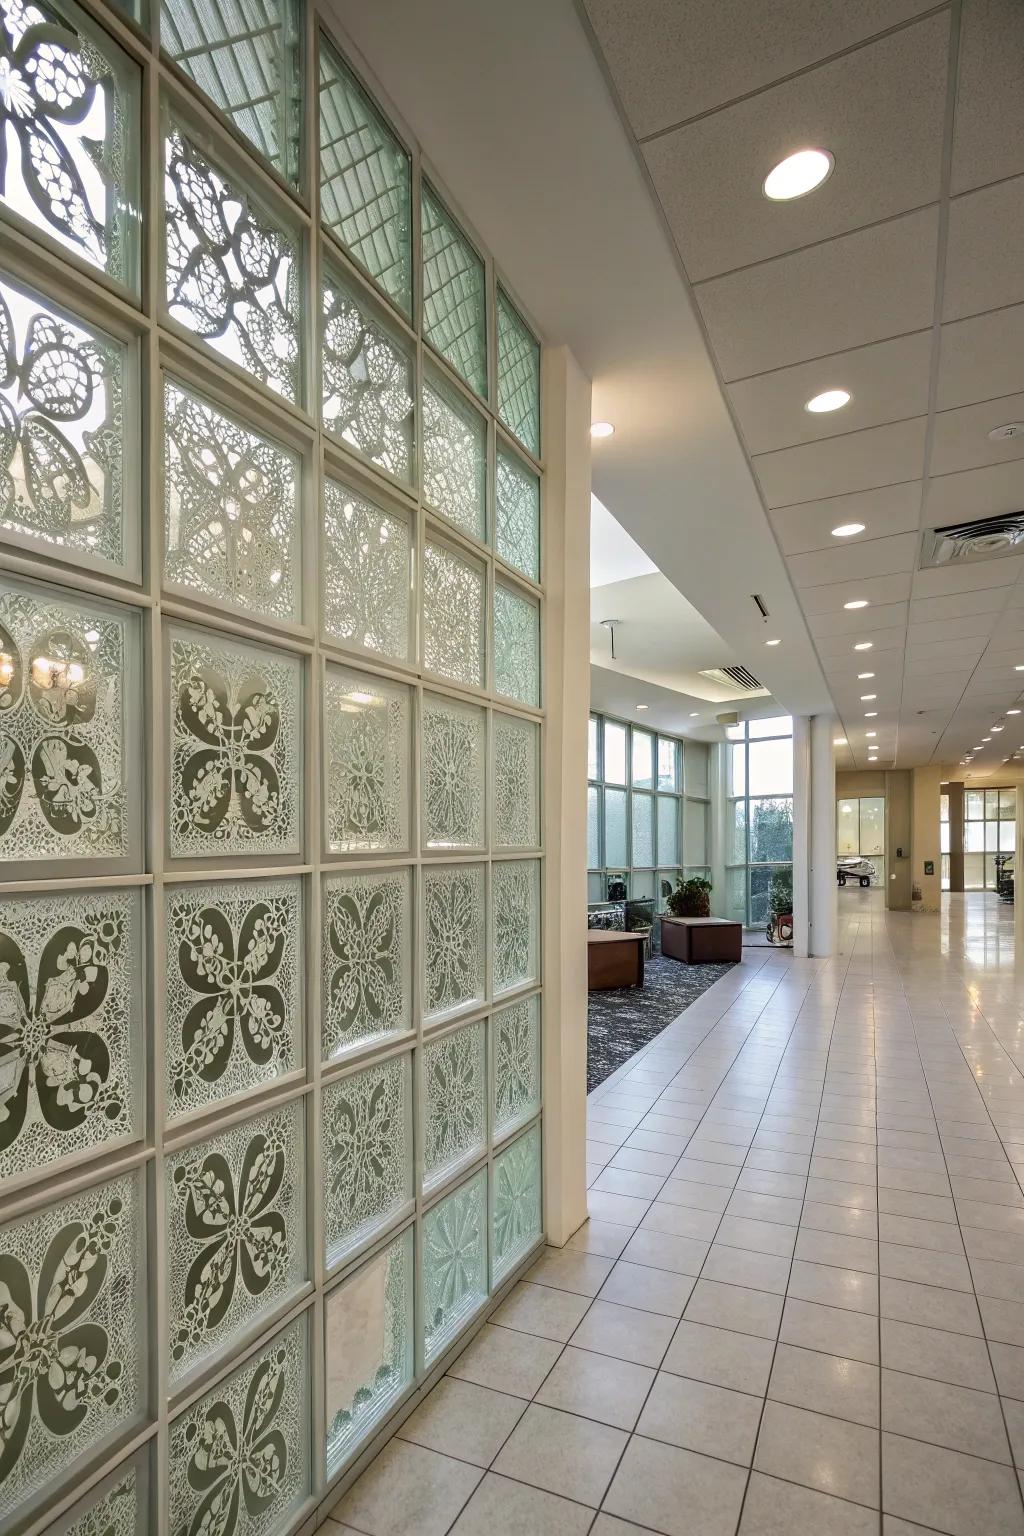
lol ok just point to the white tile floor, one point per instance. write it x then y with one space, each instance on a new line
798 1306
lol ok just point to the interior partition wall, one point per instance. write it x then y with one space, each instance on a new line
271 737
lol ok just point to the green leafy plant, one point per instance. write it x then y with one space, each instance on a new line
780 892
691 898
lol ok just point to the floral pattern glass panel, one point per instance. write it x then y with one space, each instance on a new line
368 1322
515 1064
366 955
516 801
72 1357
367 385
366 774
71 1064
367 1153
453 936
516 646
454 294
232 273
231 510
239 1458
454 752
453 615
455 1088
516 1203
454 459
236 747
366 573
454 1264
518 375
515 923
517 515
119 1506
235 1234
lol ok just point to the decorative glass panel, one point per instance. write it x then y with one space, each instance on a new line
72 1356
239 1458
119 1506
615 827
365 197
366 566
455 1089
515 1064
67 693
366 773
518 375
517 515
593 828
453 616
453 936
232 273
516 1202
367 383
235 1234
454 752
454 459
232 530
366 1141
516 646
71 1066
515 926
668 763
454 1264
454 294
516 808
62 428
668 831
236 748
643 830
368 1323
366 953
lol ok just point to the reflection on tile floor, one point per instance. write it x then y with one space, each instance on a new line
798 1306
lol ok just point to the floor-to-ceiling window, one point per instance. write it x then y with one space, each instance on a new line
990 828
860 831
759 814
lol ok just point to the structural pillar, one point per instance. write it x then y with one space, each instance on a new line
955 791
801 835
814 836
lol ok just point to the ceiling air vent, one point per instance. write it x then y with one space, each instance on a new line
736 679
986 538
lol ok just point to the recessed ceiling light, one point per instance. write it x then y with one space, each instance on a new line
694 713
773 642
847 530
643 706
839 741
864 645
601 429
871 714
870 733
1007 431
996 727
857 602
1013 711
1019 669
798 174
828 400
986 738
866 697
863 676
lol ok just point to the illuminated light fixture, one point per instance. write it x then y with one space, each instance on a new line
601 429
797 175
856 602
867 697
694 713
871 714
1019 669
828 400
773 642
986 738
1013 711
839 741
847 530
643 706
997 727
870 733
862 677
864 645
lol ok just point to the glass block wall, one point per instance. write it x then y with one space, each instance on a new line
271 732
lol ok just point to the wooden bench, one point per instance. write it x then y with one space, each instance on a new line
701 940
614 959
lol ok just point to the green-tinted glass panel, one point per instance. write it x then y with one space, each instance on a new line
367 382
517 515
368 1326
365 573
515 1064
366 1145
454 294
454 1264
454 458
593 828
516 809
454 752
668 830
455 1089
515 923
643 830
453 937
615 826
518 375
454 601
516 646
366 954
118 1506
516 1203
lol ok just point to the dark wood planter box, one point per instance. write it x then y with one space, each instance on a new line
614 960
701 940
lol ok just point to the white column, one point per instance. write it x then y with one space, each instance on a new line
801 834
822 876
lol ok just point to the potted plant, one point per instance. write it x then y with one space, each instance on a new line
780 907
691 898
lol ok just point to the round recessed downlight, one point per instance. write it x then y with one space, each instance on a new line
839 741
828 400
862 676
643 706
997 727
986 738
857 602
871 714
870 733
1013 711
847 530
798 174
773 642
694 713
866 697
601 429
864 645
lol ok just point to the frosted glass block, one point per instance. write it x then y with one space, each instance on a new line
642 812
117 1506
368 1324
516 646
515 923
366 986
668 830
366 768
366 574
454 1264
367 381
236 1245
455 1092
453 615
454 749
365 196
235 747
518 375
517 515
615 827
516 799
453 936
454 294
233 273
366 1143
239 1458
72 1344
71 1054
516 1203
232 526
69 784
454 458
515 1064
593 828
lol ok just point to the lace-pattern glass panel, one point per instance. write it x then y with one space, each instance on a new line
668 829
516 646
455 1091
454 459
62 427
64 704
454 753
231 510
245 55
453 936
236 754
454 1264
365 182
235 1234
70 1000
239 1458
453 616
117 1507
368 1322
642 820
517 515
593 828
366 988
516 801
454 294
71 1347
516 1203
367 1153
515 1064
232 274
367 383
518 375
515 924
366 568
366 775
